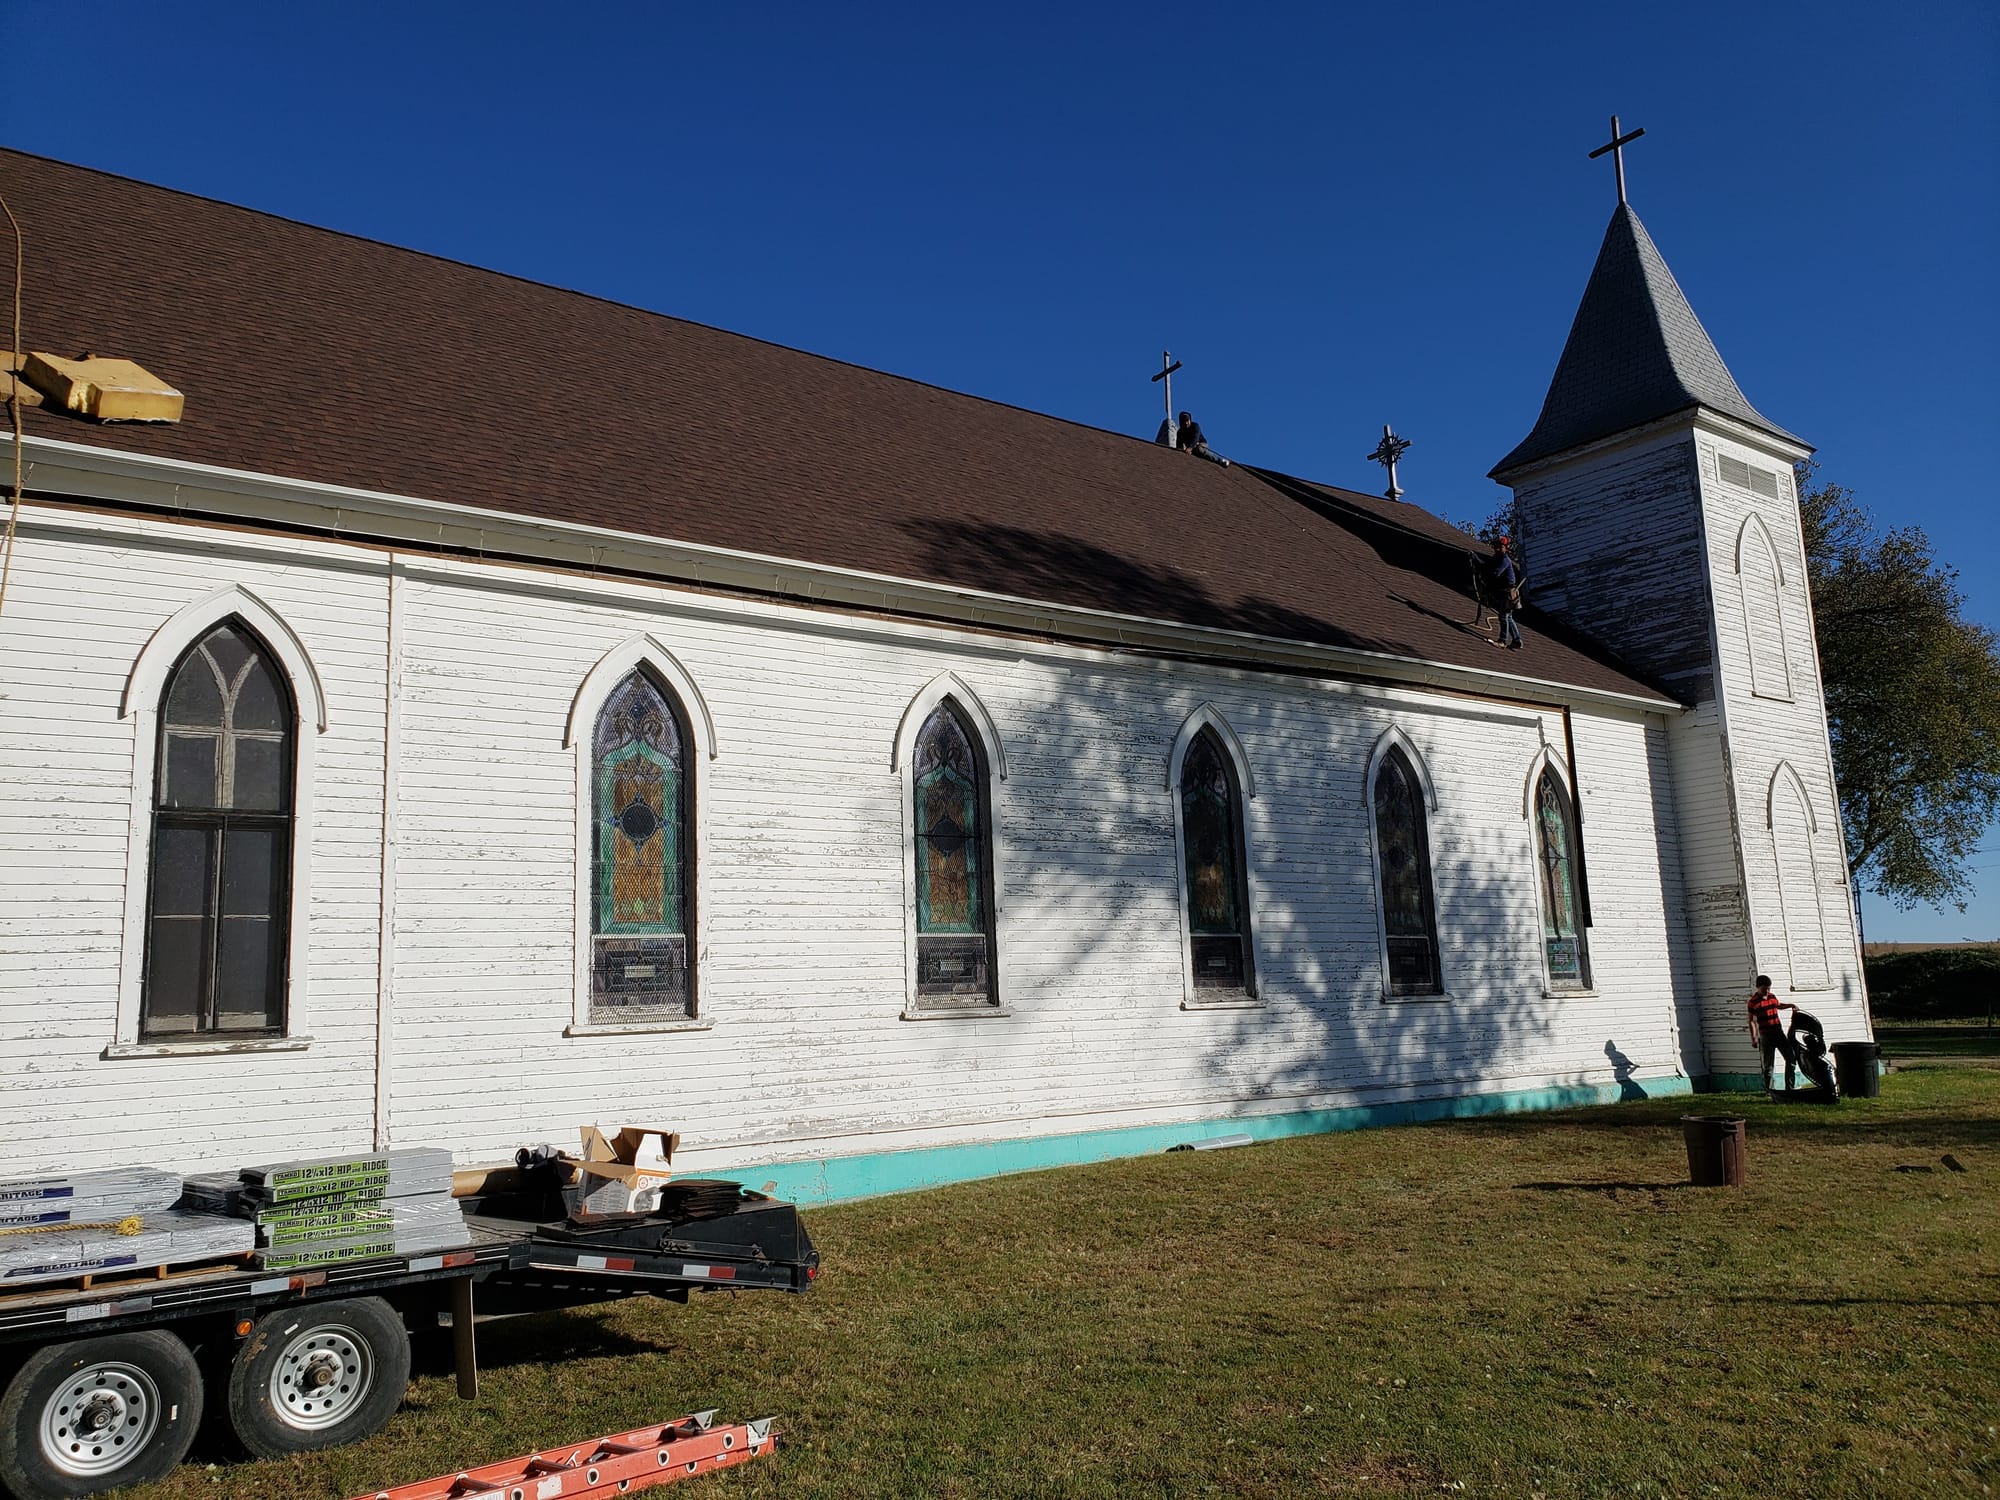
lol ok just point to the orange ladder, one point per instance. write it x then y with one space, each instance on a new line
621 1464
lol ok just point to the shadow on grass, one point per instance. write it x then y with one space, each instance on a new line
534 1339
1602 1187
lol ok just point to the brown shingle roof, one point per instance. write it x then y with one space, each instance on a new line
319 356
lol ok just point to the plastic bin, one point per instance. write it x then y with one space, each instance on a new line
1715 1149
1857 1068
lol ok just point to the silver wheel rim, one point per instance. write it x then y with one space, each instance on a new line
321 1377
100 1419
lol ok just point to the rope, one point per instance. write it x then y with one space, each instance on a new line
17 354
130 1224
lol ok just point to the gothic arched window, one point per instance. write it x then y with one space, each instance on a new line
641 855
1218 902
1562 923
218 914
954 880
1403 856
1760 585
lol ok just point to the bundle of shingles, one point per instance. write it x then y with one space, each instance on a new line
333 1209
103 1223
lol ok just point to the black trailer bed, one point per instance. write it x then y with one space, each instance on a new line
519 1264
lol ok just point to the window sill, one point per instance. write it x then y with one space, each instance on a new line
1234 1002
637 1028
955 1013
1550 992
1440 998
205 1047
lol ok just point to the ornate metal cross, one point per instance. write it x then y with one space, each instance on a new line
1386 453
1616 146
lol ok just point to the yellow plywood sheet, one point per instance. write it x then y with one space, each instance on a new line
109 390
9 363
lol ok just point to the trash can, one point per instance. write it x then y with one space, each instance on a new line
1857 1068
1715 1149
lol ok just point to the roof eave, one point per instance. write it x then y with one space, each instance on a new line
183 487
1766 435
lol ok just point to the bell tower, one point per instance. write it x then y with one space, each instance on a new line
1659 516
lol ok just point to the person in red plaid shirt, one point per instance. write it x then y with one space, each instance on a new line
1768 1031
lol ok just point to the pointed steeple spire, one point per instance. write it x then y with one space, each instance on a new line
1636 352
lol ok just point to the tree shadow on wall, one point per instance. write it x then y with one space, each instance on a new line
1092 924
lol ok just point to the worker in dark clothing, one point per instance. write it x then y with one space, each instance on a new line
1165 436
1503 576
1189 439
1769 1032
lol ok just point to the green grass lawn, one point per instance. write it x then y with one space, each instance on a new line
1922 1043
1524 1306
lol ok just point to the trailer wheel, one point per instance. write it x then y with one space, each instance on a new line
84 1417
318 1376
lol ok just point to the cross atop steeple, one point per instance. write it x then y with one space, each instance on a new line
1616 146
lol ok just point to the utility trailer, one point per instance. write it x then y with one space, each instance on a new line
106 1384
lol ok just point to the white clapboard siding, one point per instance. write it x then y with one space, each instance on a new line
803 963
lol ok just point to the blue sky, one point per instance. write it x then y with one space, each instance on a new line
1337 216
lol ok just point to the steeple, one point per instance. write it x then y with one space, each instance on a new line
1636 352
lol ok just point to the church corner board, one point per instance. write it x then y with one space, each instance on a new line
366 786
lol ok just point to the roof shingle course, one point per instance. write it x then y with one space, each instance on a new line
318 356
1636 352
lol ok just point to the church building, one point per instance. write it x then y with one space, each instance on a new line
487 709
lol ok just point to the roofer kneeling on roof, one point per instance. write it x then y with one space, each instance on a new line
1189 440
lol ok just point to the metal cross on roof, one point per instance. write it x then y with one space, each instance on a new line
1616 146
1168 364
1386 453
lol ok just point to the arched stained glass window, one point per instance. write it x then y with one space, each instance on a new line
642 855
1562 922
1403 854
1212 840
954 862
218 909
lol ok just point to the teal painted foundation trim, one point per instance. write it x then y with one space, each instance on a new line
841 1179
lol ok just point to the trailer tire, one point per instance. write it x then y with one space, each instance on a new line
83 1417
318 1376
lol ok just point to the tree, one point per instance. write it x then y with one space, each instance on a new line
1912 700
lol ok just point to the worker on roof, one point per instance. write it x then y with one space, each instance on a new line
1505 582
1165 436
1189 439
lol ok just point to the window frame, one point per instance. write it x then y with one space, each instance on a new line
1547 766
143 703
647 653
990 751
1755 534
1394 739
1208 719
982 775
222 821
1791 920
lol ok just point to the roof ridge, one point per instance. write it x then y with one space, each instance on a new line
567 291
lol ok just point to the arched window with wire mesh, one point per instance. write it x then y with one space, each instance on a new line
954 863
218 912
642 857
1403 860
1562 906
1218 899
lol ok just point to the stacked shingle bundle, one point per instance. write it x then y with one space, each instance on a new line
102 1223
333 1209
